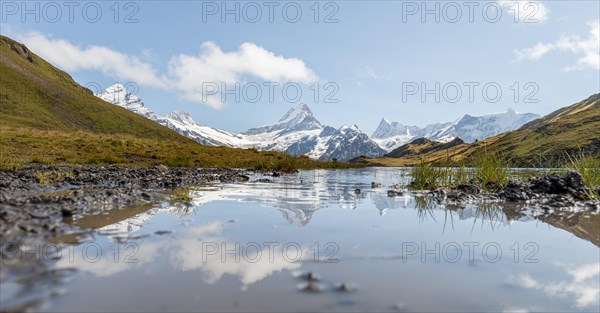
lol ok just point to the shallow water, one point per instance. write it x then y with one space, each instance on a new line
250 247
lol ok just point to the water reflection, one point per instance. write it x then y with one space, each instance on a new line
171 246
298 197
206 250
582 284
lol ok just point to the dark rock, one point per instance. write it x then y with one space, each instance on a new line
312 286
469 189
67 211
263 180
570 183
455 195
357 191
243 178
375 185
548 184
146 196
516 190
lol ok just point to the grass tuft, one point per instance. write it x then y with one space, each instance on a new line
182 195
51 178
589 169
491 171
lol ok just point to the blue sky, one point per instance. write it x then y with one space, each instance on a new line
374 52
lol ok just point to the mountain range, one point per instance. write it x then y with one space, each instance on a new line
391 135
551 140
298 132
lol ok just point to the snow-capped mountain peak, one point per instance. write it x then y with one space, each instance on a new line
300 110
298 132
352 127
117 94
182 117
298 118
469 128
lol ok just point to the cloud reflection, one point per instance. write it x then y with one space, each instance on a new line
583 285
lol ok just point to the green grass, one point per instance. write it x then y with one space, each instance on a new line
51 178
489 171
182 195
20 146
426 177
8 164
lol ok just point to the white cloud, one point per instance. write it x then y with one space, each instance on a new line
535 52
110 62
212 65
186 73
525 11
368 73
587 49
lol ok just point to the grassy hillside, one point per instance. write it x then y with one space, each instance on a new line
46 117
35 94
548 141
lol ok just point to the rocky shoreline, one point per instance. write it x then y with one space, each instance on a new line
548 192
38 199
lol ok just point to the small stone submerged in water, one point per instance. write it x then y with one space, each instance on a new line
314 284
394 193
346 287
311 286
309 276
